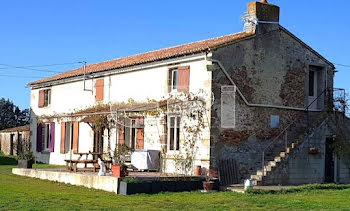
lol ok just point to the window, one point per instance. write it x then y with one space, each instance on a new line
131 134
174 78
179 79
274 121
67 129
45 137
174 133
312 83
68 136
44 98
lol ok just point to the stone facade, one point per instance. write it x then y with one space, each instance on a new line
9 139
271 68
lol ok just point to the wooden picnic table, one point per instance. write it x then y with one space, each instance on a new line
72 165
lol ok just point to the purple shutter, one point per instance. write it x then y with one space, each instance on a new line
39 133
52 137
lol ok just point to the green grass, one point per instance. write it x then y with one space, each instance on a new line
22 193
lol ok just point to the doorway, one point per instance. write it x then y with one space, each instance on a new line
11 143
329 161
98 140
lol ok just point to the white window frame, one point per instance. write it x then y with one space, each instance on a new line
47 97
68 139
172 79
177 126
46 129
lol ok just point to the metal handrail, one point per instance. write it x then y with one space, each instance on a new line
284 130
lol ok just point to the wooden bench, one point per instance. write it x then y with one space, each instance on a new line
72 165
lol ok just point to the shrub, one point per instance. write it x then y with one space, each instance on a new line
130 180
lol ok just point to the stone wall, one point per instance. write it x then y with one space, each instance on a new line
301 167
271 68
9 148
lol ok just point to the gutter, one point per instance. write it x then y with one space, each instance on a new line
251 104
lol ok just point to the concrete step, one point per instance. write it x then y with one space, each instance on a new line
259 173
294 145
267 168
283 154
278 159
273 163
288 150
256 177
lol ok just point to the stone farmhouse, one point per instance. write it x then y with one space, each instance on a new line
257 104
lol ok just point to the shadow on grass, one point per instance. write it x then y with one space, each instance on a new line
7 160
302 188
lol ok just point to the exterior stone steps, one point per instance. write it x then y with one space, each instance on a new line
258 177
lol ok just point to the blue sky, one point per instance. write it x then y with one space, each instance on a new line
50 32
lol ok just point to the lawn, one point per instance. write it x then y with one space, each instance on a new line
24 193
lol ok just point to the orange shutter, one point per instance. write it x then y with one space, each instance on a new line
184 78
99 89
75 137
139 138
121 134
41 102
63 133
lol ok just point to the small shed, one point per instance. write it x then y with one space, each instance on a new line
12 139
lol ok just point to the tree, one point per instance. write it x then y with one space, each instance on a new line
11 115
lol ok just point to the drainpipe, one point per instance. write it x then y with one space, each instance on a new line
243 97
84 67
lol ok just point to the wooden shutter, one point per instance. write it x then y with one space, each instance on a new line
183 78
139 138
121 131
39 133
99 89
75 137
63 134
41 102
52 137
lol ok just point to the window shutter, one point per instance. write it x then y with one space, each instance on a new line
121 134
139 138
139 122
39 133
41 102
99 89
63 133
75 137
52 137
183 78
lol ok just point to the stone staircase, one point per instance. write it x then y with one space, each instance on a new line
258 178
280 152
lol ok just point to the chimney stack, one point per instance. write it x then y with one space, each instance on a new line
263 11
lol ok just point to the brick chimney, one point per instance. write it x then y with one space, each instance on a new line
264 13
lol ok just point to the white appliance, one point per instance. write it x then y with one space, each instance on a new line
145 160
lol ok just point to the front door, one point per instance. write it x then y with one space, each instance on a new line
98 140
329 161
